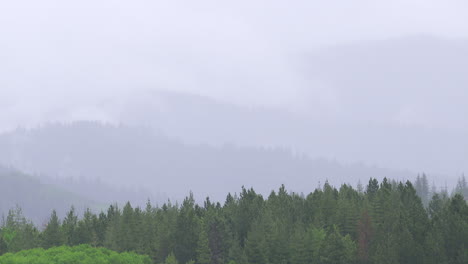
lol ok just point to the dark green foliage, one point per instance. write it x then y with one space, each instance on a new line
386 224
257 241
19 233
365 235
217 235
457 228
203 249
187 231
129 229
85 231
52 235
337 249
69 228
3 246
372 187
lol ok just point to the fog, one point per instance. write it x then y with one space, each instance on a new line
58 56
377 83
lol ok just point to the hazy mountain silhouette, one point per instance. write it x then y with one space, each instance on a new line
201 120
363 105
36 198
140 158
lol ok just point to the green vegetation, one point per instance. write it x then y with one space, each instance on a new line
386 223
82 254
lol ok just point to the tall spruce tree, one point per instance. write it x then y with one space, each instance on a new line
187 231
52 235
203 248
69 226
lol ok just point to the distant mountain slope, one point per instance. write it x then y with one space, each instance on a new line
139 157
398 103
35 198
195 119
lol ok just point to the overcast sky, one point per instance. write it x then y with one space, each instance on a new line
61 59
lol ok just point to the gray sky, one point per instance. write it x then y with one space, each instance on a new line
65 59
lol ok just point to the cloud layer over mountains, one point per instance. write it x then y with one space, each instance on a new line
378 82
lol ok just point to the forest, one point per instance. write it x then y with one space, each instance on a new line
386 222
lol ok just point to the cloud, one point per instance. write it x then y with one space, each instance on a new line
57 55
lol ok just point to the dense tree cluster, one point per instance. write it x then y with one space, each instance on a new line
385 223
83 254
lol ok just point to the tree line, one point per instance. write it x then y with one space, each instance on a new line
384 222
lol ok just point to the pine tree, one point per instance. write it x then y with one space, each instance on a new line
127 224
337 249
85 232
422 189
236 253
113 235
186 232
348 213
248 210
329 205
18 232
171 259
69 227
456 229
255 245
217 235
203 249
52 235
148 237
316 239
365 234
299 248
372 187
100 227
462 187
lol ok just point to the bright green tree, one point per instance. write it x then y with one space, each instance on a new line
171 259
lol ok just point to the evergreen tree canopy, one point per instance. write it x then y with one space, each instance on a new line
386 224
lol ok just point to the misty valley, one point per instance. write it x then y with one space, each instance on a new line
78 200
187 179
233 132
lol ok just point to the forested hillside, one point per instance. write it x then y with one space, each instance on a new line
138 157
37 198
199 119
38 195
382 223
